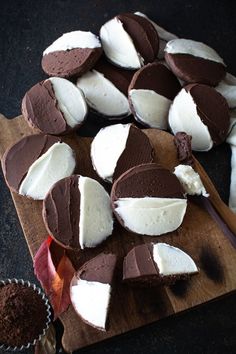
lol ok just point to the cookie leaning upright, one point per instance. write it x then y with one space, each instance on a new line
117 148
202 112
74 53
129 41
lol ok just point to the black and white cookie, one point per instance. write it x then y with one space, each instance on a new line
54 106
157 264
117 148
148 200
106 89
129 41
194 62
151 93
74 53
35 163
90 290
77 212
201 112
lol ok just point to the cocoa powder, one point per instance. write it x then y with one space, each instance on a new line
23 315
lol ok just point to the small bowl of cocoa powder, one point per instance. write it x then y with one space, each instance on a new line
24 314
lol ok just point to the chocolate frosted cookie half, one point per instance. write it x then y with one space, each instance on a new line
90 290
157 264
148 200
106 89
35 163
129 41
201 112
77 212
54 106
194 62
151 92
73 53
117 148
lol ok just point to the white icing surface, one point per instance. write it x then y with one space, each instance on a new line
107 147
71 101
102 95
90 300
96 222
197 49
231 139
150 107
150 215
57 162
118 45
172 261
164 36
227 87
190 180
72 40
183 117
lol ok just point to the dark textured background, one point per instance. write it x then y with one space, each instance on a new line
27 28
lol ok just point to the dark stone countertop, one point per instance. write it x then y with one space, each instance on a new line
27 28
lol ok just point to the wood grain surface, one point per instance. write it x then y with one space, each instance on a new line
199 236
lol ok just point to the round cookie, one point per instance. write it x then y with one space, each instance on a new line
148 200
194 62
77 212
90 290
54 106
106 89
117 148
151 92
201 112
35 163
129 41
73 53
156 264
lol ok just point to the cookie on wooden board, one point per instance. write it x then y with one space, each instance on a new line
90 290
54 106
77 212
35 163
148 200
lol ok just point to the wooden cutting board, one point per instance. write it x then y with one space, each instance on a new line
199 236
